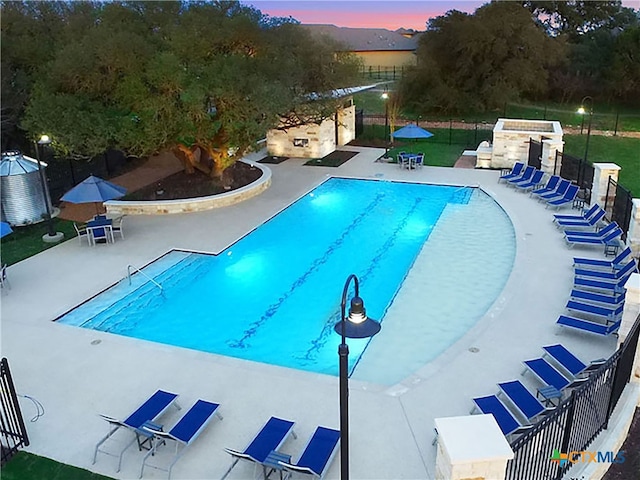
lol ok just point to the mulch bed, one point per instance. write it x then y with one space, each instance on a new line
334 159
273 160
197 184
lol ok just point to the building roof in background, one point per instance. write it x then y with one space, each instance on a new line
367 39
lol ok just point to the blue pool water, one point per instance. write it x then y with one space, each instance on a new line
274 296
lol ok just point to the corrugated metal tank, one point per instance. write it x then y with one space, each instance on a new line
21 195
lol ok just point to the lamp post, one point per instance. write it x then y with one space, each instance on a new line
385 97
356 325
582 111
51 236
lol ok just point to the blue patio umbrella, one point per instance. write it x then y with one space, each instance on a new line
5 229
412 132
94 190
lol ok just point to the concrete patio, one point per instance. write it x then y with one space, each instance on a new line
77 373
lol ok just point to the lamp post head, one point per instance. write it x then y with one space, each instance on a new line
357 324
384 96
581 111
44 140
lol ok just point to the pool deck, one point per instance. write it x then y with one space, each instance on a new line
77 373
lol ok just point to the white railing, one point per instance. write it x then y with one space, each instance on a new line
131 267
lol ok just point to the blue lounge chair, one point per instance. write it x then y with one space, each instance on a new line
505 419
549 375
627 269
600 285
515 172
317 455
599 234
606 313
523 399
614 264
591 222
588 326
614 299
610 239
183 433
568 197
549 187
561 189
524 177
569 361
272 435
155 406
536 180
580 217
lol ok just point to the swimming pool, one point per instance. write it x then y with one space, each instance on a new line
274 295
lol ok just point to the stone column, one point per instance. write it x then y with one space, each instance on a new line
633 235
548 161
629 315
471 447
601 181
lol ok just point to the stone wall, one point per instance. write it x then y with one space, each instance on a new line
511 141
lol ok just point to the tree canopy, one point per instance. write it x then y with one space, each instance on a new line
203 79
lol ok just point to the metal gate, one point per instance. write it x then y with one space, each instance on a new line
13 433
535 154
618 205
359 122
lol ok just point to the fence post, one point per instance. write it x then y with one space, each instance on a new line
472 446
602 173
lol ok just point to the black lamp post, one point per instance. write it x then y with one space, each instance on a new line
582 111
357 325
385 97
52 235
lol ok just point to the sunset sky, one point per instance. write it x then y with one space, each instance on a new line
390 14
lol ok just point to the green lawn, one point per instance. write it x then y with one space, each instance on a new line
624 152
26 466
26 241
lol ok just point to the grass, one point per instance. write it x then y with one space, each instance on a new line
26 241
618 150
26 466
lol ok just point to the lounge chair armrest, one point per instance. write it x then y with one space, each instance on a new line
236 453
295 468
111 420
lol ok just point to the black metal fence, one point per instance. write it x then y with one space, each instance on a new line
380 72
535 153
13 434
359 122
578 171
577 421
618 205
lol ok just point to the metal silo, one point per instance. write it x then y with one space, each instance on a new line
21 194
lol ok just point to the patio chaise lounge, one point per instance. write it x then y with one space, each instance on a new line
597 234
605 313
535 180
568 197
317 455
579 217
524 177
549 375
569 361
614 299
272 435
528 405
183 433
491 404
155 406
551 185
601 285
612 238
560 190
591 221
515 172
588 326
614 264
627 269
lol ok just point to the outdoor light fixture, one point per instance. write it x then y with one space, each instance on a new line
356 325
385 97
52 235
583 111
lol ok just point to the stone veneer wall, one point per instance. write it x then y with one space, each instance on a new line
511 141
198 204
317 140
